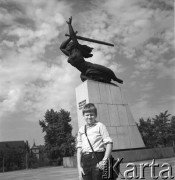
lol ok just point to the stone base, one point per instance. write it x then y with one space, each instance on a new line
112 110
70 162
131 155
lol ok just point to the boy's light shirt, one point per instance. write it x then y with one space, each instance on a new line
98 136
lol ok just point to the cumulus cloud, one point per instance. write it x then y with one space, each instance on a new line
39 86
142 31
148 86
35 76
30 28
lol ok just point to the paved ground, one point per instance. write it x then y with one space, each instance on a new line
61 173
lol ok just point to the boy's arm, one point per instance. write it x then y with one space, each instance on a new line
106 140
109 145
78 157
103 162
80 169
108 151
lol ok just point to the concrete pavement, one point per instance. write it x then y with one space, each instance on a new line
61 173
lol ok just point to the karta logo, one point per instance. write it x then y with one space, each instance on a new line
116 166
112 169
137 171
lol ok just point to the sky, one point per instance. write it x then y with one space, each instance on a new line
35 75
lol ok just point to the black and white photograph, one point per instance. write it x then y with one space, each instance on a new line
87 89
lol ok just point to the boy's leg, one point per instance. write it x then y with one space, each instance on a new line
87 166
90 168
96 174
88 174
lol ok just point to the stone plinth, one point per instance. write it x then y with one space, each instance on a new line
131 155
113 111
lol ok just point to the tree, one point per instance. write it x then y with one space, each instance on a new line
27 152
162 127
158 131
13 158
146 129
172 130
59 141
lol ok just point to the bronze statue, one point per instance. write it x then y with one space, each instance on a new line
77 52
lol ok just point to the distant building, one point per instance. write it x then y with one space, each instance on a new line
35 150
38 151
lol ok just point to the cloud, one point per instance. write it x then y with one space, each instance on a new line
141 108
46 18
164 71
21 59
29 85
10 102
148 86
142 31
135 74
36 77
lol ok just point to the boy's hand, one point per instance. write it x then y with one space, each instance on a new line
101 165
80 172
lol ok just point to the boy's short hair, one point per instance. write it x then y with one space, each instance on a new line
90 107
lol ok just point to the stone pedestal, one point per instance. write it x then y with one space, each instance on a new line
131 155
113 111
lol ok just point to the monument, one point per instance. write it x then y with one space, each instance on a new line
77 52
97 88
113 109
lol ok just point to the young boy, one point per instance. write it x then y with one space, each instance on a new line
88 167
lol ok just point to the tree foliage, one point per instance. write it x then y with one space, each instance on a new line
12 158
158 131
59 141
